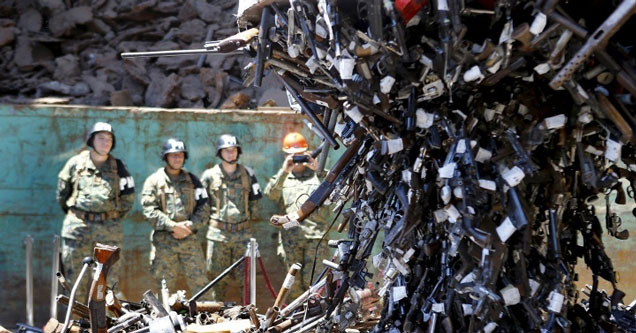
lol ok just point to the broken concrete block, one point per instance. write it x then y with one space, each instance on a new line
191 88
7 35
192 31
121 98
162 91
55 6
67 69
207 12
99 86
23 57
187 12
61 23
135 90
100 27
137 71
31 20
78 89
238 100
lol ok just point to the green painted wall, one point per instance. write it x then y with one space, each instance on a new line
36 141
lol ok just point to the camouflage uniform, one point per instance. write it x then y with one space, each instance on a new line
95 201
299 244
233 204
165 202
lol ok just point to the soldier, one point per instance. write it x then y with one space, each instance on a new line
292 183
233 190
176 204
96 191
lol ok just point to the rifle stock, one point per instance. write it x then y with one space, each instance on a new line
105 256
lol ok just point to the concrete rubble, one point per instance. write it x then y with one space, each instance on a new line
54 48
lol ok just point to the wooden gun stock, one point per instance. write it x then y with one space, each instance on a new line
105 256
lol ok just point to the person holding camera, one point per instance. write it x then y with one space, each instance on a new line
289 187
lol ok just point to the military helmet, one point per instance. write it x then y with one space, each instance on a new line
294 142
173 145
100 127
227 141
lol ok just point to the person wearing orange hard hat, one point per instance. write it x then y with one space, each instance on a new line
294 182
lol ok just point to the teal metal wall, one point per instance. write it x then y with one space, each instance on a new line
36 141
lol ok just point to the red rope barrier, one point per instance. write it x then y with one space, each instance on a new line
266 278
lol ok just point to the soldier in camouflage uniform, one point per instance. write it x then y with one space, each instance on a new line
96 191
233 192
290 186
176 204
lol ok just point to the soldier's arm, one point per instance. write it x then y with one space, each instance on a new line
201 213
255 195
274 188
151 207
206 181
126 188
64 185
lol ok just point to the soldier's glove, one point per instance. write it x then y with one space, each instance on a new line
284 221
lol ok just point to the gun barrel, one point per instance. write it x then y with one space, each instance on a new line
177 53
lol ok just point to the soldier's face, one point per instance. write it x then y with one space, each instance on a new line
175 160
229 154
103 143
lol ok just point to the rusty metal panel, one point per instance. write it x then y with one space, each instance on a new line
37 140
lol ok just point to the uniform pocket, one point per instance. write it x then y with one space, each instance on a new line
187 197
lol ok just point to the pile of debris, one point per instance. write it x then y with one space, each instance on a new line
176 313
479 136
70 49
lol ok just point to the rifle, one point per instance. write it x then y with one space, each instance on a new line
597 41
264 51
610 111
105 256
235 44
312 116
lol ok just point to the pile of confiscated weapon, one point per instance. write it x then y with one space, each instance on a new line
478 135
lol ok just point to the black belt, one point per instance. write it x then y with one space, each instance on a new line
93 216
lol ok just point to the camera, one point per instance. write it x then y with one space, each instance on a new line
299 159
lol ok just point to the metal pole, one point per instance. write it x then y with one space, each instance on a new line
28 242
177 53
71 300
253 246
216 280
54 270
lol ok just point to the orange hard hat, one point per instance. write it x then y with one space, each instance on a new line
294 142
